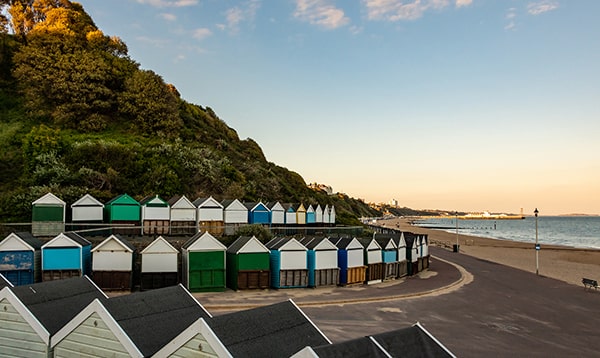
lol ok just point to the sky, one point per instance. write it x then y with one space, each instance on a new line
468 105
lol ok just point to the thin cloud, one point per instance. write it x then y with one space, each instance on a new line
511 15
168 17
540 7
321 13
201 34
401 10
239 14
168 3
461 3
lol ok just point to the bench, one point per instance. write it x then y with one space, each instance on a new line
589 283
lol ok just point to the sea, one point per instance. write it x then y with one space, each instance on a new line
574 231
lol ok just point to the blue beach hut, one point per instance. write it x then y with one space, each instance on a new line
389 255
310 215
258 213
288 261
350 260
20 258
67 255
322 257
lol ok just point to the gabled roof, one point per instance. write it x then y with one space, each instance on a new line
409 238
67 239
399 240
233 204
285 244
346 242
49 199
54 303
277 330
289 207
177 201
319 243
202 242
275 206
386 243
245 242
153 200
359 347
300 207
20 241
198 327
253 206
209 202
159 243
87 200
413 341
122 199
119 240
310 209
370 243
153 318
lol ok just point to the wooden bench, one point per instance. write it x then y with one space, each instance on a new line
589 283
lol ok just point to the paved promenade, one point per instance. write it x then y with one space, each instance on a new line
474 307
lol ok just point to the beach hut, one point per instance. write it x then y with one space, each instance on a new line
183 216
197 340
412 254
277 213
123 214
310 215
300 214
112 263
258 213
389 255
402 257
20 258
134 325
159 265
203 263
290 214
326 212
48 216
418 245
31 314
350 260
248 264
87 214
276 330
322 258
318 214
235 215
210 216
332 215
66 255
425 251
373 260
156 216
289 263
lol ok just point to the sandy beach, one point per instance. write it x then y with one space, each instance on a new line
559 262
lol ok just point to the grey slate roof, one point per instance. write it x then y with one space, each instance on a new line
30 239
410 238
125 242
412 341
277 330
341 243
238 244
78 238
153 318
363 347
54 303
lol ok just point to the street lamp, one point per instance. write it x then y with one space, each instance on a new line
537 246
457 247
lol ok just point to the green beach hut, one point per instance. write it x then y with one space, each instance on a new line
203 259
48 216
248 264
124 214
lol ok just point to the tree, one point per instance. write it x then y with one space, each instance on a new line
150 104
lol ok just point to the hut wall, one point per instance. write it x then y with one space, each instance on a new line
356 274
87 213
183 227
206 271
389 256
156 227
355 258
19 267
17 337
112 280
326 277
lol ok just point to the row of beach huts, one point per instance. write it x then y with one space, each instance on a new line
204 263
74 318
177 216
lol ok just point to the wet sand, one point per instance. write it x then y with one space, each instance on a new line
563 263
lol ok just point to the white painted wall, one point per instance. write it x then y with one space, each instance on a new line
159 262
325 259
293 260
355 258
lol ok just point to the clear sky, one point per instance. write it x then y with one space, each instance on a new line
467 105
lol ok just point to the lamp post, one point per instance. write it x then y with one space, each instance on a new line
456 212
537 246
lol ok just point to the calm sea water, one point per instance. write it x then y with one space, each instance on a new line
575 231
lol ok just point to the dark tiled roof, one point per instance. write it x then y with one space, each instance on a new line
153 318
363 347
411 342
30 239
276 242
124 241
277 330
238 244
410 238
174 199
198 201
54 303
342 242
383 241
78 238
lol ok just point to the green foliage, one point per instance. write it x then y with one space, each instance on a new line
261 232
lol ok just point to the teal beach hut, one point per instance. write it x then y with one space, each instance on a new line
67 255
389 255
322 258
289 263
123 213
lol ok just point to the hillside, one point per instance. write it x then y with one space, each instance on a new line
78 115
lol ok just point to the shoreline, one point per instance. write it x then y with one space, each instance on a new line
564 263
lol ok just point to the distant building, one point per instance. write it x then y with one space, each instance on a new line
394 203
326 188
